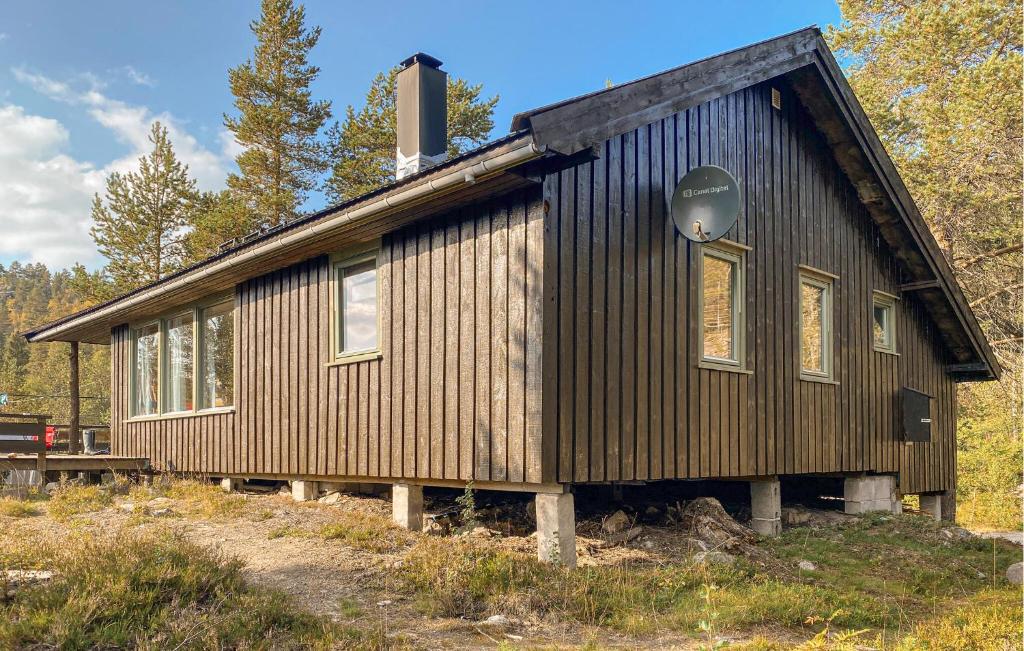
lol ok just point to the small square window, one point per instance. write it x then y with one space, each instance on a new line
883 311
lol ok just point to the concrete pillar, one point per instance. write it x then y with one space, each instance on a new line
556 528
303 491
875 493
766 507
231 484
932 505
407 506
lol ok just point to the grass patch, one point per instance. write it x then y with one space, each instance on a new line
153 590
13 508
199 499
70 500
882 574
365 531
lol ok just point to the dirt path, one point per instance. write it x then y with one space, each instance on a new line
348 585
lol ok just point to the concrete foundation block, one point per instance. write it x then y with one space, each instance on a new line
867 494
932 505
766 500
304 491
231 484
407 506
766 527
556 528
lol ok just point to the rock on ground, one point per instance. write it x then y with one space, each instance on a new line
1015 573
616 522
705 518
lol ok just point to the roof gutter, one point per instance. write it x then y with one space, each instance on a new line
410 196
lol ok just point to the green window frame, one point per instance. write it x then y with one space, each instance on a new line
181 374
817 359
722 256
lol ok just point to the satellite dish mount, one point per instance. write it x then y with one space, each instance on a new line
706 203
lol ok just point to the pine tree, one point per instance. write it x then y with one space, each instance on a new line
363 146
140 228
941 83
278 122
219 217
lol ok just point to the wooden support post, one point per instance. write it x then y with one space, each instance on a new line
74 433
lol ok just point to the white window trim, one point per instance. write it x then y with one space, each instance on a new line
196 310
734 253
884 299
369 251
826 282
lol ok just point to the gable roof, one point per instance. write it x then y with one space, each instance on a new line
805 61
570 127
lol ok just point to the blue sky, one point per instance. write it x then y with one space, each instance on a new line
81 82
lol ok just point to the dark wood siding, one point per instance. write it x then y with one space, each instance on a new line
455 395
631 401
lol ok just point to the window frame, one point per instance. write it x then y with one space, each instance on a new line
826 282
195 310
887 301
133 358
350 257
736 254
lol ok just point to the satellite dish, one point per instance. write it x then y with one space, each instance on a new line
706 203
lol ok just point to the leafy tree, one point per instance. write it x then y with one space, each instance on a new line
941 82
140 228
278 122
363 146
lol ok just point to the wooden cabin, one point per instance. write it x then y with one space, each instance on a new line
528 317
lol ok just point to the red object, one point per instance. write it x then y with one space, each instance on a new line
51 436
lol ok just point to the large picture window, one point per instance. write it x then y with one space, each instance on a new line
355 305
721 306
146 369
179 375
815 327
217 335
184 362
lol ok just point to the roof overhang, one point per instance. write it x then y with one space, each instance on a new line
484 172
804 60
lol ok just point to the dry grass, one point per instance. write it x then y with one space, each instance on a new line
70 500
356 529
154 591
13 508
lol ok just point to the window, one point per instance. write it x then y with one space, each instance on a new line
146 369
181 356
355 300
721 306
883 310
815 327
179 375
217 377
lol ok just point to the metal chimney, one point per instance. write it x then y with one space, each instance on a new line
422 115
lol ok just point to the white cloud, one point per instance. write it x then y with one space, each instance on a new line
45 195
137 77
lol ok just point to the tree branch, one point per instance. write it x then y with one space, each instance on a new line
990 254
978 301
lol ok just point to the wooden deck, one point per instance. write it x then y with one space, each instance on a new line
73 462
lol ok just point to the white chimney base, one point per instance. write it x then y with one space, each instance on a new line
415 163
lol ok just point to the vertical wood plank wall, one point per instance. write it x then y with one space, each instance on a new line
456 393
630 402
